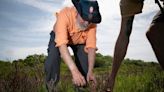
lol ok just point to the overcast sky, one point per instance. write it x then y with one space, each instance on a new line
25 26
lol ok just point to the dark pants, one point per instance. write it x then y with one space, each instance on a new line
52 63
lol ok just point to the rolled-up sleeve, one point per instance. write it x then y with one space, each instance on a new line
91 38
60 29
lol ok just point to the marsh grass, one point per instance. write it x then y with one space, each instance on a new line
133 76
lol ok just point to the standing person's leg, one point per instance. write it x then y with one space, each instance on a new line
81 60
128 9
52 65
120 50
155 35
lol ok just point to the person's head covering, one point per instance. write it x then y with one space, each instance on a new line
88 10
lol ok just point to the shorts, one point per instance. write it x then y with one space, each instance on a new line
131 7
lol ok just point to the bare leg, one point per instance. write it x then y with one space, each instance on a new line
120 50
155 36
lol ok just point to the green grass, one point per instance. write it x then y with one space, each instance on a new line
133 76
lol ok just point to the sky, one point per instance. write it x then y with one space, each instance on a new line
25 26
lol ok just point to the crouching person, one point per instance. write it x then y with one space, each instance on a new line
75 27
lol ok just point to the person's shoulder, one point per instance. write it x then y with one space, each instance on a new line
67 9
67 12
93 26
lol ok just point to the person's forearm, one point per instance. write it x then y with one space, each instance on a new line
67 57
91 59
77 77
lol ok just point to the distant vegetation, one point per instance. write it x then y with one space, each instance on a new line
27 75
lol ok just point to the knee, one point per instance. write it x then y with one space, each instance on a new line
150 31
123 37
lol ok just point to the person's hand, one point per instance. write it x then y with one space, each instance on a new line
91 78
78 78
